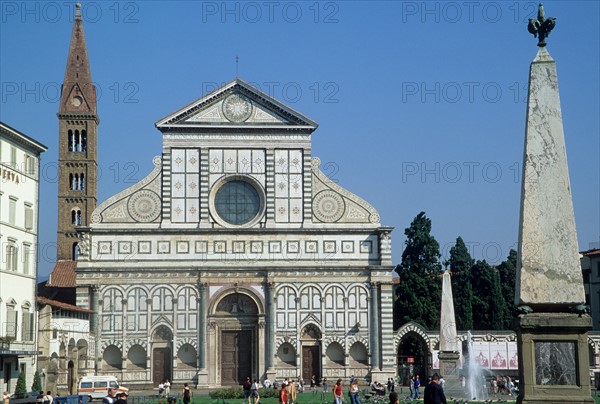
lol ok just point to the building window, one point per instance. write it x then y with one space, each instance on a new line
11 321
11 257
77 182
237 202
77 141
28 216
30 165
76 216
27 325
75 251
27 250
13 157
12 211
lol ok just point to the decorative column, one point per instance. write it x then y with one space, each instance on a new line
97 357
202 324
124 335
553 320
270 329
375 366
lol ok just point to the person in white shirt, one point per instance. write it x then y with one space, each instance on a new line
48 399
167 387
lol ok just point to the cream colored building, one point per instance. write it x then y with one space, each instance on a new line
237 256
19 196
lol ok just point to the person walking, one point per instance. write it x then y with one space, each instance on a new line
247 389
283 394
416 385
325 385
434 394
254 391
186 393
354 393
6 398
337 392
110 397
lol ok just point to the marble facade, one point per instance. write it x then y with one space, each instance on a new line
189 285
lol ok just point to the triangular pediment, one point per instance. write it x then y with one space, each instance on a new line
237 105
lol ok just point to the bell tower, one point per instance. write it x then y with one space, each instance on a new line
77 155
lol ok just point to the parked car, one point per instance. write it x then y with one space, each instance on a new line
24 398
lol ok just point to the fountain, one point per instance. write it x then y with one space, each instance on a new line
476 380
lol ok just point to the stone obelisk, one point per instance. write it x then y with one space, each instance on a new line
449 344
552 323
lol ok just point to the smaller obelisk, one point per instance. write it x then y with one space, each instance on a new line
552 323
449 344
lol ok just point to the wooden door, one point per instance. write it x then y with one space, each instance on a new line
236 357
161 365
310 363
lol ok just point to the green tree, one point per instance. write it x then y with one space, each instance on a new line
508 273
460 263
21 387
37 382
419 291
488 302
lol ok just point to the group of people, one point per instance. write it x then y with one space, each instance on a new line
164 388
502 385
44 398
432 394
110 398
251 391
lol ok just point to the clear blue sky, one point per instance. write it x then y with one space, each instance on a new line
421 105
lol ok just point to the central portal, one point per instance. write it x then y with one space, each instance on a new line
236 351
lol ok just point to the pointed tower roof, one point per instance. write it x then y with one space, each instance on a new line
78 94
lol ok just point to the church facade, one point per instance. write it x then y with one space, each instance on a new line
237 256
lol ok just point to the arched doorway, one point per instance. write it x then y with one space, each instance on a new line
235 321
311 352
162 354
413 358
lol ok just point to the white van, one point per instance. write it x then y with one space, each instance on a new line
97 386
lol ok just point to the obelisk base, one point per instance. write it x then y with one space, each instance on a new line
449 367
553 358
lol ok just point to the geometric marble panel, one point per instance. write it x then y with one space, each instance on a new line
329 246
311 247
104 247
144 247
183 247
348 247
164 247
366 247
274 247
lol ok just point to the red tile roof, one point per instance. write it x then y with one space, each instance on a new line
591 253
63 275
61 305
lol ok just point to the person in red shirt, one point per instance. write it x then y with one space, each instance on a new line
283 394
337 392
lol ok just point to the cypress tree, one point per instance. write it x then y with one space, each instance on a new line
460 263
419 291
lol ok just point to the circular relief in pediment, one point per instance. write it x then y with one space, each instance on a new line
144 206
237 108
328 206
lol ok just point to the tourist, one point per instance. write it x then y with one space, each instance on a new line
161 389
186 393
433 392
442 383
416 385
48 399
354 393
167 387
121 398
247 386
110 397
254 392
313 384
324 385
6 398
283 393
394 398
411 386
337 392
291 392
40 398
